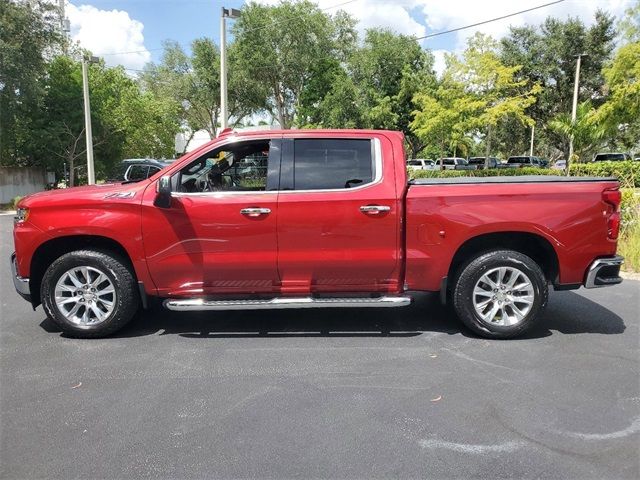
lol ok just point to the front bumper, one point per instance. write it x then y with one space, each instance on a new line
21 284
604 272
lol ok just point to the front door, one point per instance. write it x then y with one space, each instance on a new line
338 216
219 235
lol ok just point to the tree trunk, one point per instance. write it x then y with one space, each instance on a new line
71 173
487 151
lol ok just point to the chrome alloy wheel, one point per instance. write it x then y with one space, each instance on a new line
503 296
85 296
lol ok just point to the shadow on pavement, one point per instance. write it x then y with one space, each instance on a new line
567 313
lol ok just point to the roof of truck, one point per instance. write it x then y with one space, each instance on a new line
304 131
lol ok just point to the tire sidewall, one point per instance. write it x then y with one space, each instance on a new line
474 270
119 276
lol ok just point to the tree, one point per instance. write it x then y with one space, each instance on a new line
192 85
27 32
546 55
443 115
375 89
587 131
125 121
281 46
390 69
621 112
630 25
499 94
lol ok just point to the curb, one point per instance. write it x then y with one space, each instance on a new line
630 275
8 212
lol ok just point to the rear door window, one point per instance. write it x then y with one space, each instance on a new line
323 164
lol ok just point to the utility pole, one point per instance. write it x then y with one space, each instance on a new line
574 109
91 176
533 130
226 13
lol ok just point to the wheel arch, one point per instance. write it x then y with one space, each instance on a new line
535 246
49 251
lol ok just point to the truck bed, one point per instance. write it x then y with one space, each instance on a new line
566 213
508 179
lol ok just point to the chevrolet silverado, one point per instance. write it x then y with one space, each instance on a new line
310 219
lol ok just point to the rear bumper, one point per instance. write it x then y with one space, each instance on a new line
604 272
20 283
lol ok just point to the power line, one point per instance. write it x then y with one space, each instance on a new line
488 21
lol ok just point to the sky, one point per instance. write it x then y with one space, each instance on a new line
131 32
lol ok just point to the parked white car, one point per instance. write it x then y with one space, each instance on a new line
421 164
559 165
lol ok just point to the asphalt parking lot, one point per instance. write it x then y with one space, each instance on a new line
402 393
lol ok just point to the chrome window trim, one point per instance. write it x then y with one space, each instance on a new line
377 165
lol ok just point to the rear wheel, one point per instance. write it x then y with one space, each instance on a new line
499 294
89 293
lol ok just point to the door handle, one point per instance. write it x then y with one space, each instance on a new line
255 212
374 209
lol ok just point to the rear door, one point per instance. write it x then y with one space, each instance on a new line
338 215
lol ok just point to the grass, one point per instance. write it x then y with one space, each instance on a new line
629 239
629 247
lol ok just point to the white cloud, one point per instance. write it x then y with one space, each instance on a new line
107 33
374 13
439 63
448 14
422 17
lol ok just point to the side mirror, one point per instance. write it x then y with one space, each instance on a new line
163 195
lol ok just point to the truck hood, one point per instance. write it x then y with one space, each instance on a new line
88 194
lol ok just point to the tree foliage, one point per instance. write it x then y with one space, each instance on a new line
282 46
27 35
292 64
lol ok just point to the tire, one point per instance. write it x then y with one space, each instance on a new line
103 304
500 294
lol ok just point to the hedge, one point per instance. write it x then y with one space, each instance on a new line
627 172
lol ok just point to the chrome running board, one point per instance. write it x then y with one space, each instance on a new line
200 304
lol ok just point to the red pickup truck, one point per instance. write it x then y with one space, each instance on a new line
312 218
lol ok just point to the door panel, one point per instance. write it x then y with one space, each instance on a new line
325 241
215 242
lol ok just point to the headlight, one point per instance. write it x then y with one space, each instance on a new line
21 215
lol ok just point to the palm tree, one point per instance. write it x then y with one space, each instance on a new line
587 132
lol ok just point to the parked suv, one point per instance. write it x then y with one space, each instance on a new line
135 169
611 157
455 163
525 161
480 163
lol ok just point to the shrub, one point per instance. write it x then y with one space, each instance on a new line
627 172
14 201
492 172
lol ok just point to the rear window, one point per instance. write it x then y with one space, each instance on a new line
518 160
415 163
321 164
604 157
138 172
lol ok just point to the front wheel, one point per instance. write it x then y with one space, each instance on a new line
89 294
499 294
